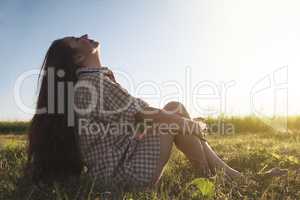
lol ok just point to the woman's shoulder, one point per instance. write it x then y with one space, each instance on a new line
96 79
91 70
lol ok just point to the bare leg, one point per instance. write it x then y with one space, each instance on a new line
217 162
195 155
191 146
166 144
199 153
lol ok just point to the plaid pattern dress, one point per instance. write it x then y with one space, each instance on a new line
114 158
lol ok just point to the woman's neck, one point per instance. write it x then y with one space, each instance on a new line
92 61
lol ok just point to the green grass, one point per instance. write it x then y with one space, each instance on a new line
13 140
249 152
13 127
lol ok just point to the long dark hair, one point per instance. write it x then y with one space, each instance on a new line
53 151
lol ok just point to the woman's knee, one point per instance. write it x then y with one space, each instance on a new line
176 107
172 104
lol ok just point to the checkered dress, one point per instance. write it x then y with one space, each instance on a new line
114 158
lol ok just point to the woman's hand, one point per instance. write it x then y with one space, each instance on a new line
202 127
191 127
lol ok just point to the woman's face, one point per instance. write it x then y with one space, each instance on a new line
83 46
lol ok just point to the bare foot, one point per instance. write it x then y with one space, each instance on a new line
275 172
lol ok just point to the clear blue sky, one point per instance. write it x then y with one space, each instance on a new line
155 41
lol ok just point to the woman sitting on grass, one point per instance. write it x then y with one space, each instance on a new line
117 158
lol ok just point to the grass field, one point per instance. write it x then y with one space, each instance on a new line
249 152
